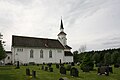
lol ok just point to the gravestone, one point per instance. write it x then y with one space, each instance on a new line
60 61
72 64
46 68
43 63
62 70
74 72
37 64
57 65
27 71
49 64
42 67
17 65
103 70
61 79
33 74
51 69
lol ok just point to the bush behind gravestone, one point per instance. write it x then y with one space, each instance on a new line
68 67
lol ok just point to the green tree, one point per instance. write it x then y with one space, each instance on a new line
2 51
107 58
96 58
114 57
75 56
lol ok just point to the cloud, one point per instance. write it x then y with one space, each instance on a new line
85 21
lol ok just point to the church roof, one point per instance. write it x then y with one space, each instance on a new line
62 33
22 41
68 53
67 47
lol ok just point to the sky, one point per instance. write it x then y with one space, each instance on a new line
94 23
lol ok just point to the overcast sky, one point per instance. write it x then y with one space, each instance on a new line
94 23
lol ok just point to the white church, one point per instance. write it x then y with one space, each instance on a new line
38 50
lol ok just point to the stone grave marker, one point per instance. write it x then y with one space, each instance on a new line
72 64
51 69
74 72
17 65
62 70
42 67
27 71
57 65
103 70
46 68
33 74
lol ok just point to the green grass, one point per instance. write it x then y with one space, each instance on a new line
10 73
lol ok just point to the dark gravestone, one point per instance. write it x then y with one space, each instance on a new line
57 65
33 74
17 65
68 67
49 64
62 70
60 61
51 69
37 64
46 68
43 63
103 70
42 67
62 64
27 71
72 64
74 72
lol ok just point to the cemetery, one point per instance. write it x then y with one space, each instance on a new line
52 72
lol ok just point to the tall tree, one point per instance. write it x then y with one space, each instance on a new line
96 58
114 57
107 58
2 51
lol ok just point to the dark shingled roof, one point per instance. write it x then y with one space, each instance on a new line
22 41
68 53
67 47
62 33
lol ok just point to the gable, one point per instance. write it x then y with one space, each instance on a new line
22 41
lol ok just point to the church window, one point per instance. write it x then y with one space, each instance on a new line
41 53
50 54
31 53
19 50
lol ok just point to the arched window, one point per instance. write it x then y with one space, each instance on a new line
31 53
50 54
41 53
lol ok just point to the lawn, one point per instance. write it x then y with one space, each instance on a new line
10 73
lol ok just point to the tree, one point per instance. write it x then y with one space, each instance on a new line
114 57
2 51
75 56
107 58
96 58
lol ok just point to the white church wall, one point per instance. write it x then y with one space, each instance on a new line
68 59
24 55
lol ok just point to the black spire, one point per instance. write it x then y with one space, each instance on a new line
61 25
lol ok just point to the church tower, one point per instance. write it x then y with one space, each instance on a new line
62 35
